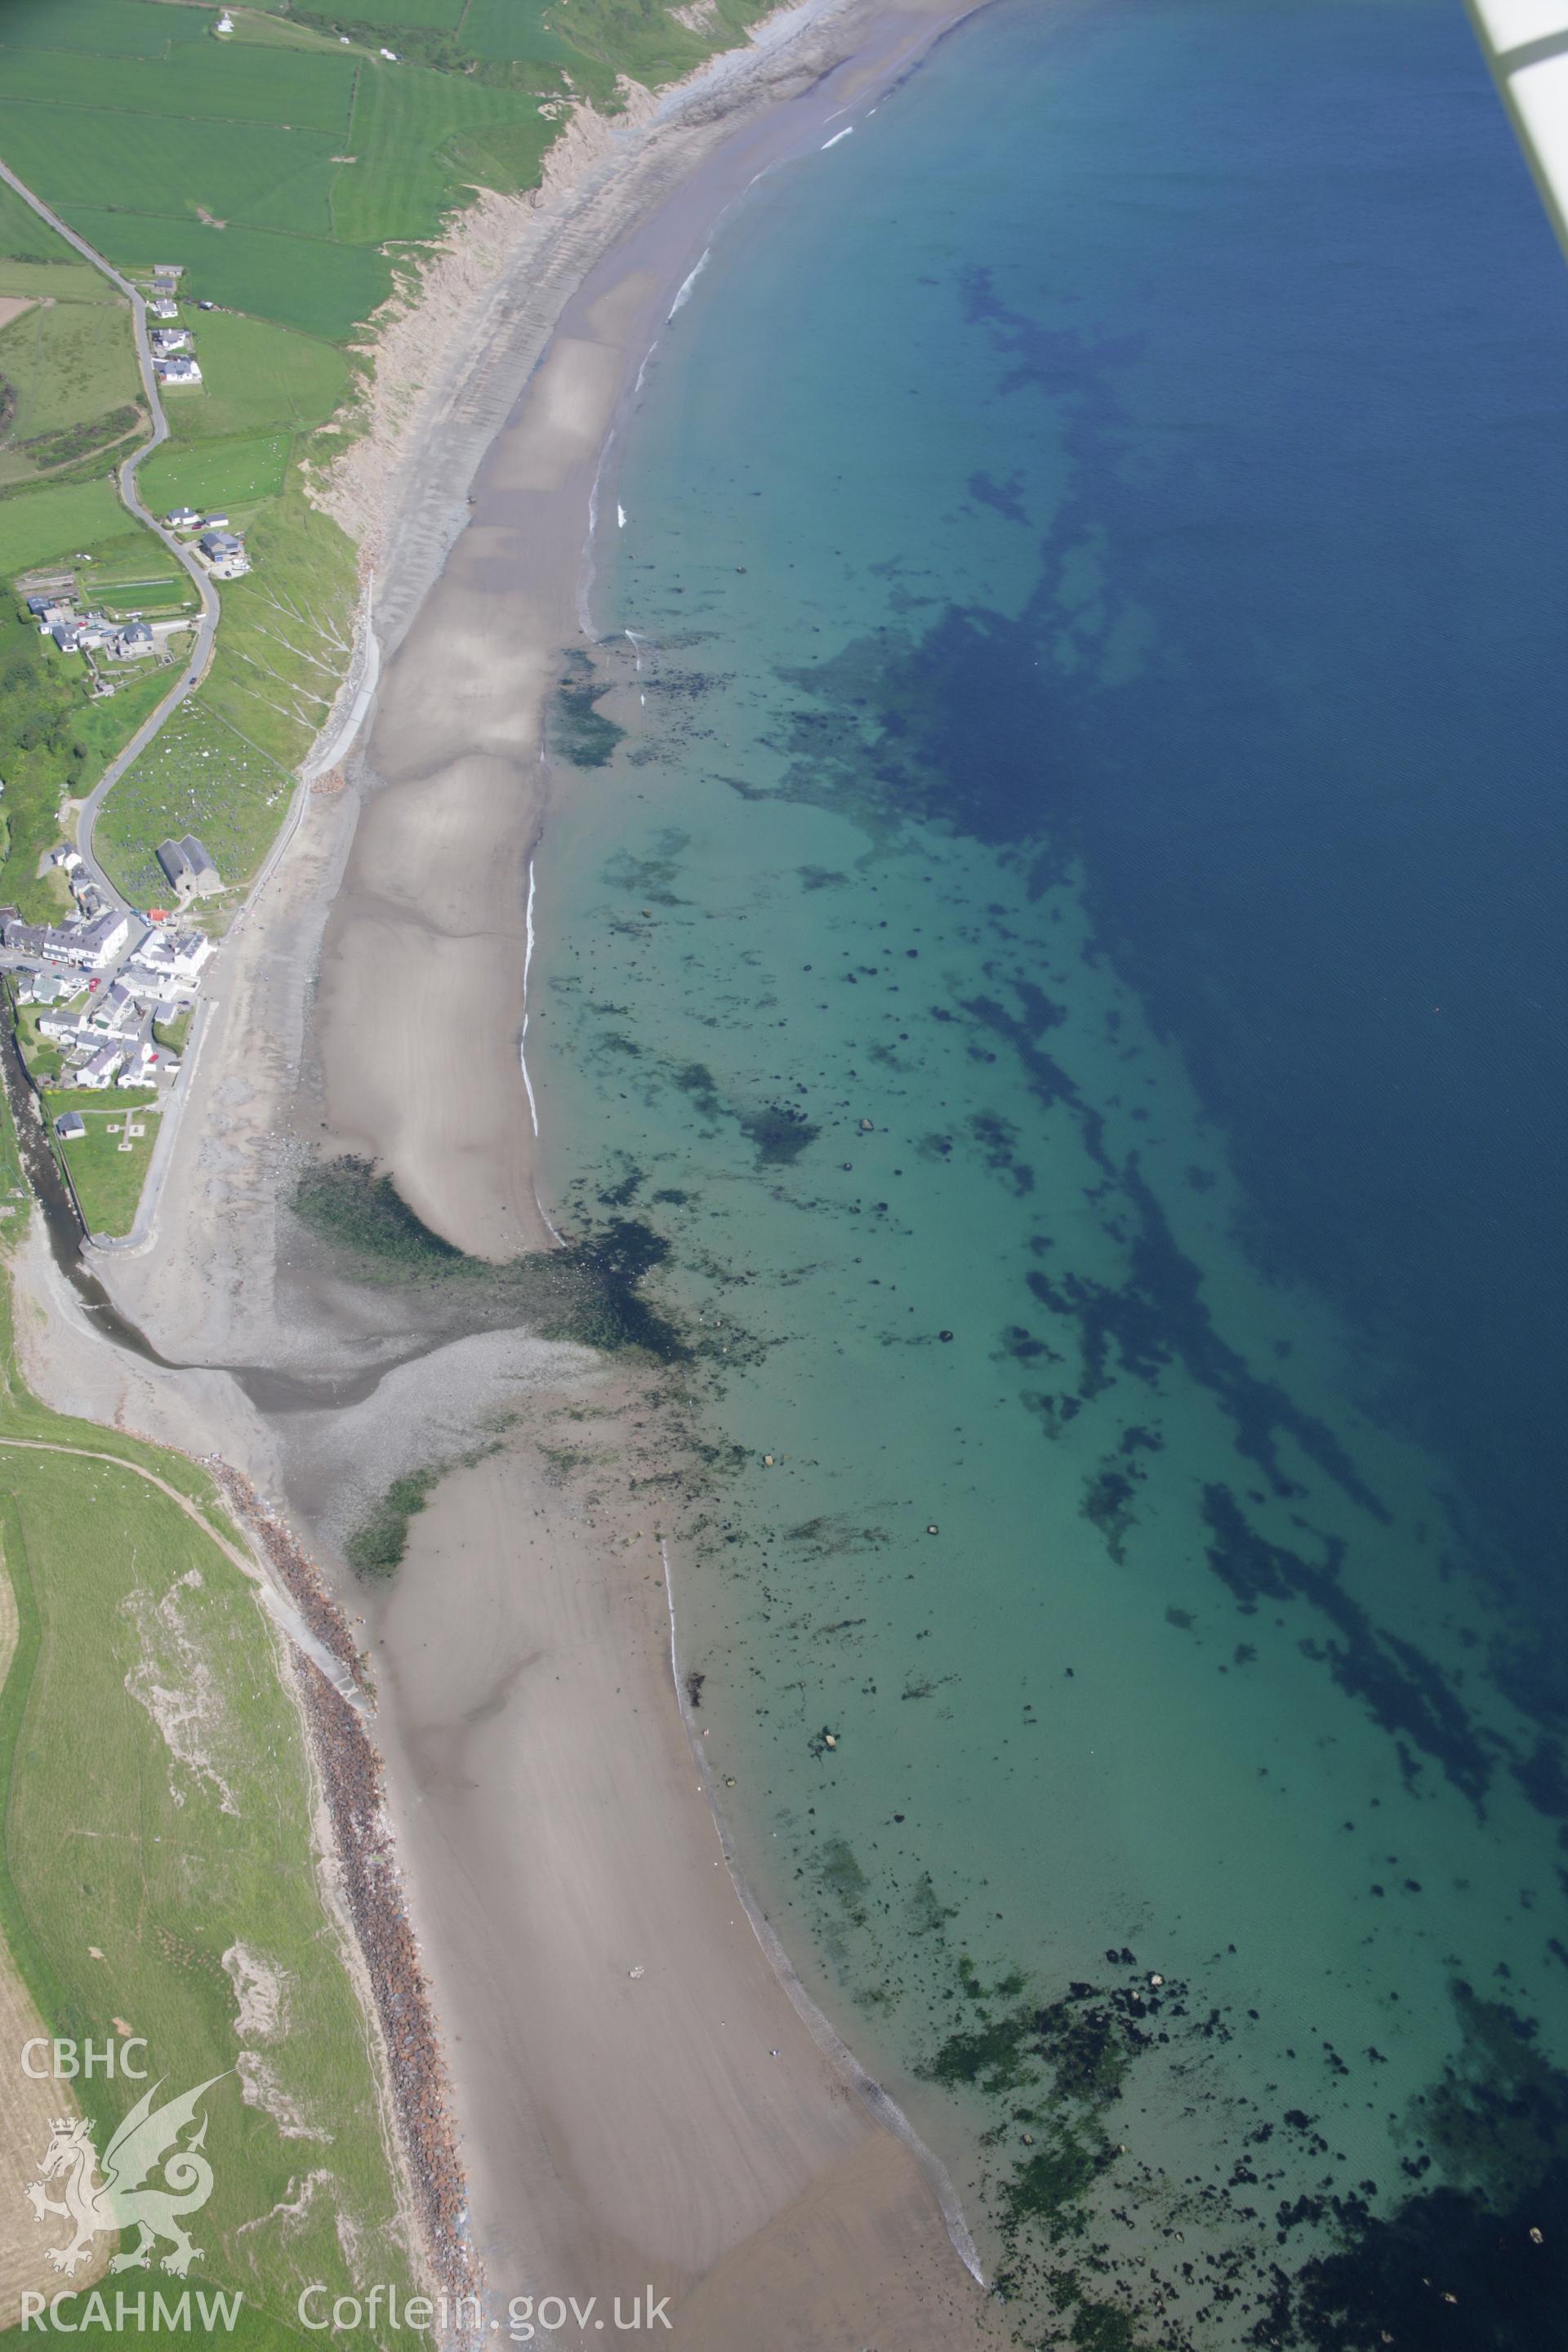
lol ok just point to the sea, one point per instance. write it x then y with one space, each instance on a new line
1062 965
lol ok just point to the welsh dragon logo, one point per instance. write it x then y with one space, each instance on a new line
147 2141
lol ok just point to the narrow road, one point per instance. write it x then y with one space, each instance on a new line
194 668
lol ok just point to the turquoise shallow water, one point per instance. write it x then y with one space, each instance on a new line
1065 955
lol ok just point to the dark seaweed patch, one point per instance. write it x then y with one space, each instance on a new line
359 1211
589 1291
1403 1692
579 732
998 1141
1159 1315
1478 2261
780 1133
1108 1505
377 1547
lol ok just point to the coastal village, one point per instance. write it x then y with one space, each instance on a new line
102 1002
102 998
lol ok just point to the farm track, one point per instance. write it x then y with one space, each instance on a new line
194 670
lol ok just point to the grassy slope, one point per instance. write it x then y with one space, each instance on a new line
196 774
111 1837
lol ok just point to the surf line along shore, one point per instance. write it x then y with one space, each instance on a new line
640 2104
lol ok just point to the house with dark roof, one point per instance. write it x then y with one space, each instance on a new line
223 552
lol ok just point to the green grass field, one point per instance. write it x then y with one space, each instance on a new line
513 28
133 559
413 132
253 29
21 234
204 82
326 289
212 474
113 28
261 175
157 1813
43 276
389 15
256 376
197 775
108 1179
40 525
65 362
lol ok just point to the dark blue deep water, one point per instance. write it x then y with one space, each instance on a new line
1068 956
1314 395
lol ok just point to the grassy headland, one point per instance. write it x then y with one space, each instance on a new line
156 1851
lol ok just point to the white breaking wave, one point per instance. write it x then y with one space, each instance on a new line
685 294
586 575
620 517
527 966
837 137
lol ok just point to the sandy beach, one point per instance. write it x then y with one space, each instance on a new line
640 2102
431 902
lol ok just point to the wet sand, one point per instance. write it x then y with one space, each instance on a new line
686 2127
643 2105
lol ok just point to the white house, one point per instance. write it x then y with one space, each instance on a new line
176 957
170 339
181 518
134 642
88 945
91 945
113 1011
139 1065
181 369
64 1026
71 1127
74 636
164 309
97 1073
